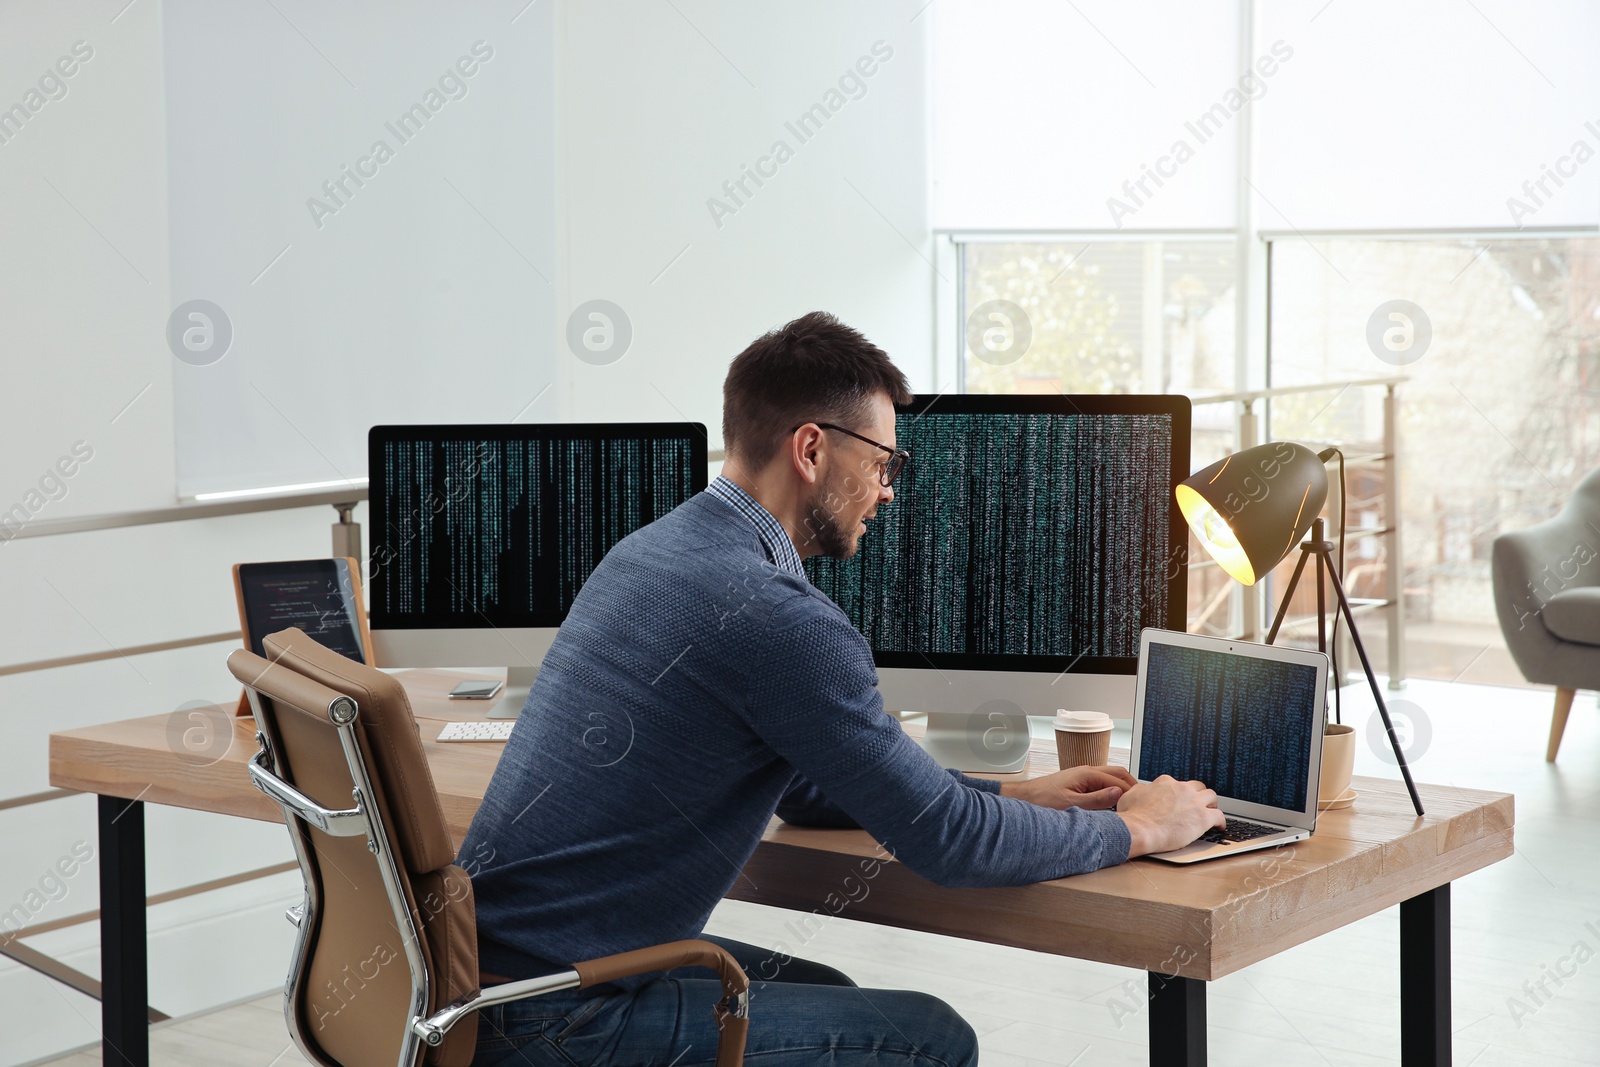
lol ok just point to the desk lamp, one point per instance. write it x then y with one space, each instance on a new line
1249 509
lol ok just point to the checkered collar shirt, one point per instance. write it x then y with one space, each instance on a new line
774 538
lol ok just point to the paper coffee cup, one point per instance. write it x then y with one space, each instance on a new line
1083 738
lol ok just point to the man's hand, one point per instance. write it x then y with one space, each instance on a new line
1075 787
1166 814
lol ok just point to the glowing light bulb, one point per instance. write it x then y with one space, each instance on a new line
1215 534
1215 528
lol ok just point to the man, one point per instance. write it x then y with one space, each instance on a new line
701 683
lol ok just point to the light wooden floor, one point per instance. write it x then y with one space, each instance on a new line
1330 1003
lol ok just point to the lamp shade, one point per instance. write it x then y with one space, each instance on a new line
1250 509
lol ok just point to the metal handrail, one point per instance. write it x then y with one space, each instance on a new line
118 653
116 520
1251 395
152 899
341 500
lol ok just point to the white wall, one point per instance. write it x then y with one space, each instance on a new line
83 296
413 304
660 104
650 121
419 292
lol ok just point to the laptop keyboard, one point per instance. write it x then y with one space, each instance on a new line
1238 830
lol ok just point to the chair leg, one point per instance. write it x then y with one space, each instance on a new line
1558 721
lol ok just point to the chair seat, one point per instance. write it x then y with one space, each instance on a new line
1574 615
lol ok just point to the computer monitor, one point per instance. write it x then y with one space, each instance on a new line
483 535
1030 540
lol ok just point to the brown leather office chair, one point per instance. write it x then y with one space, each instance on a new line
385 964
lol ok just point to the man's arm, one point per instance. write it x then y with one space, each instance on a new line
813 699
803 804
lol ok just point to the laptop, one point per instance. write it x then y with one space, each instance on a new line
1245 719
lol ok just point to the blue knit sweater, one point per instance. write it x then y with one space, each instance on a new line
694 690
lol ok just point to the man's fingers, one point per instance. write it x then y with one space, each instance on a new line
1121 774
1101 777
1101 798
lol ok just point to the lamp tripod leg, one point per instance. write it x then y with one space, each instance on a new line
1383 709
1324 553
1324 565
1288 594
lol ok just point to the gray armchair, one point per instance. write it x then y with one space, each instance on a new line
1547 595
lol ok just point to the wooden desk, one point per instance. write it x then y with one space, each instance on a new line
1182 925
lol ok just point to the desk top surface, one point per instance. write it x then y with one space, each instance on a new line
1201 921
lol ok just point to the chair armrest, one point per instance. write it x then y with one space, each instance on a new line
732 1013
666 957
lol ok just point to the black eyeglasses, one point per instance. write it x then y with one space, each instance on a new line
898 457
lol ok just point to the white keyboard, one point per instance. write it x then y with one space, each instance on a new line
492 730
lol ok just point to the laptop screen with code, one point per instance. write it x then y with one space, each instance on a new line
1241 724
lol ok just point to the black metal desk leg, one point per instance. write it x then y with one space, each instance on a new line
124 970
1177 1021
1425 979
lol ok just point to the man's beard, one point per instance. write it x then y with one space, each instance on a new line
829 537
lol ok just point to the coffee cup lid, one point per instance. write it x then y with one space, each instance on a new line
1082 722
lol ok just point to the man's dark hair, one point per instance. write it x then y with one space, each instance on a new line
814 369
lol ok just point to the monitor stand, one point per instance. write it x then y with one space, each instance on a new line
518 681
977 743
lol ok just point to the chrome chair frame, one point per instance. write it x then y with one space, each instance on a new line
364 818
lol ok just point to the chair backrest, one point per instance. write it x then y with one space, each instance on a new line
1585 497
388 929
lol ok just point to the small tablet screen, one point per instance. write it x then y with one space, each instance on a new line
314 594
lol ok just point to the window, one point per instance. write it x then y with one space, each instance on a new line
1500 341
1146 316
1495 423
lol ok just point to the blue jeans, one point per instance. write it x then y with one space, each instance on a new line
806 1015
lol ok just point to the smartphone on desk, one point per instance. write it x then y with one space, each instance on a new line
476 690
